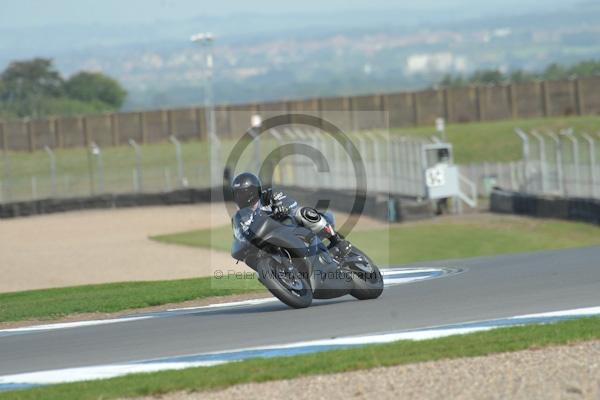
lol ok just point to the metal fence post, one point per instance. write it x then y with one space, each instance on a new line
97 152
558 158
523 136
138 178
52 170
592 149
568 133
180 177
543 169
256 122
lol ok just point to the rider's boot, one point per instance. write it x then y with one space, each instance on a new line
338 246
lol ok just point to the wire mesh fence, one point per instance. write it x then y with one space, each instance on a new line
391 164
561 163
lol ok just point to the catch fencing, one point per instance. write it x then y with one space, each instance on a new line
392 164
563 163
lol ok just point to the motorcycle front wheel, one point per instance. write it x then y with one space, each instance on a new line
367 279
285 282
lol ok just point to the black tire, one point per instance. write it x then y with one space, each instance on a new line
367 285
294 298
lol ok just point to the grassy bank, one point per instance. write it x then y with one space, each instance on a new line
261 370
112 297
496 141
442 238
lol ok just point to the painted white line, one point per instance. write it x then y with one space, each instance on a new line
392 277
565 313
77 324
210 359
97 372
252 302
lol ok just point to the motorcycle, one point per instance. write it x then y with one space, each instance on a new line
294 264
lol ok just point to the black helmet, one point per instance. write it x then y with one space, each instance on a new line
246 189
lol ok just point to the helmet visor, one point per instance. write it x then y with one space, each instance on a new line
246 197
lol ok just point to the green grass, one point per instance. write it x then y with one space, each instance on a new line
496 141
473 142
427 240
261 370
439 238
112 297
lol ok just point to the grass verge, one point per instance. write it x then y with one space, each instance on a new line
496 141
261 370
438 239
113 297
426 240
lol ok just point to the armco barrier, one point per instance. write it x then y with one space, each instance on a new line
577 209
383 207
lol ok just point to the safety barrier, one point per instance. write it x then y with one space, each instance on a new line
384 207
573 208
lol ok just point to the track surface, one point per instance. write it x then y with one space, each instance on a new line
489 287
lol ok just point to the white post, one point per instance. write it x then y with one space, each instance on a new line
52 170
256 123
523 136
592 149
558 158
138 178
543 170
179 159
575 147
97 152
513 178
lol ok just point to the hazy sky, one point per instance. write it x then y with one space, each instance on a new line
24 13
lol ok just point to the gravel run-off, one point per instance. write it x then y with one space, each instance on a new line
562 372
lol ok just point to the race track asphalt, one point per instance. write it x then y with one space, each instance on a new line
487 288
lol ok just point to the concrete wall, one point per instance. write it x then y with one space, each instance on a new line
456 105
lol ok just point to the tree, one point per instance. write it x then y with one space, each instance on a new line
91 86
34 78
487 77
585 68
520 76
555 72
452 81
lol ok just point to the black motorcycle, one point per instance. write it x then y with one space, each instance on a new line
294 263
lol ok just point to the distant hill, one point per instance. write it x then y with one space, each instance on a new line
271 55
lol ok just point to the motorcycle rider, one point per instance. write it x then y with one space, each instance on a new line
249 196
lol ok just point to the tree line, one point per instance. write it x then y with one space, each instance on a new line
34 88
553 72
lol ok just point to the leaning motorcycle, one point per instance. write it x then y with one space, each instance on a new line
294 264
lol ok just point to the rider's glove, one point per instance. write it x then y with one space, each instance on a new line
280 209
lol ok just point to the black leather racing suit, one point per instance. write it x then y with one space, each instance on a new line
281 204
